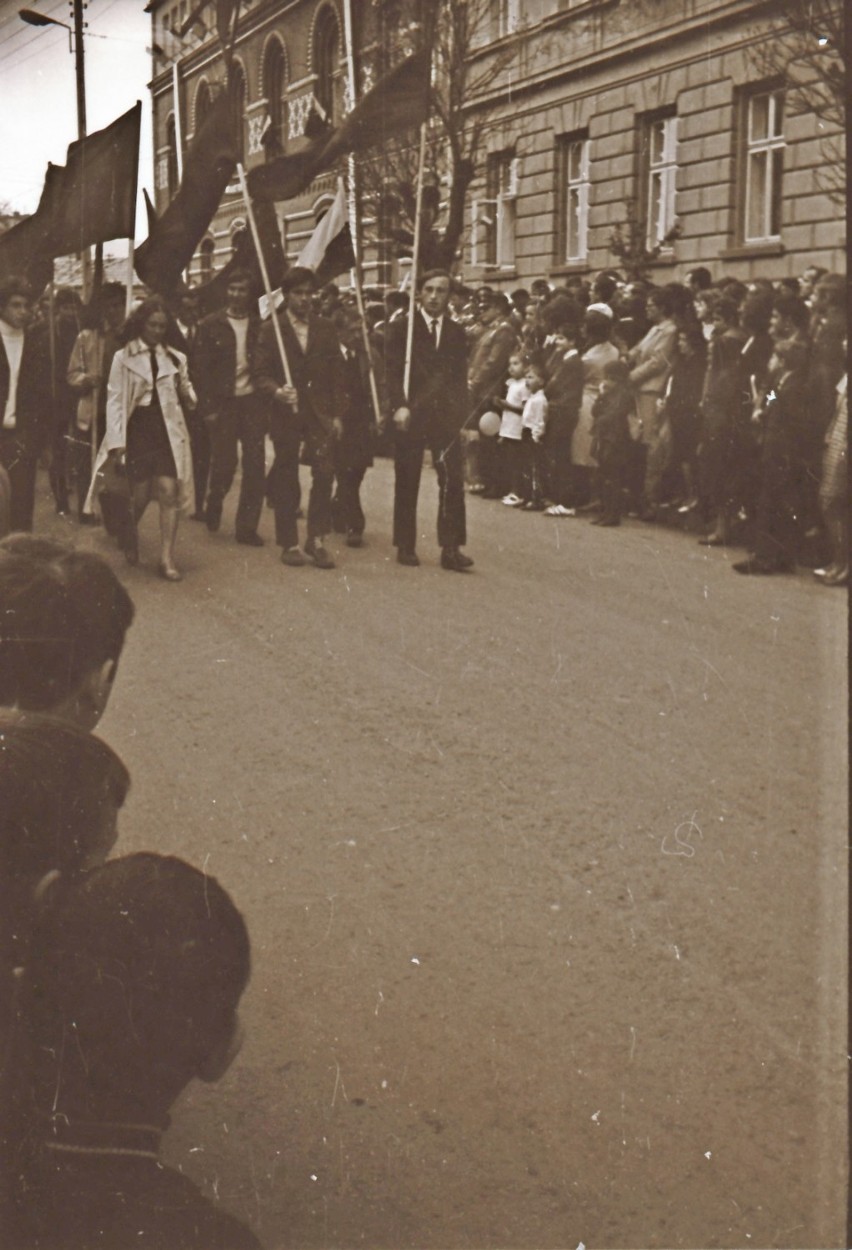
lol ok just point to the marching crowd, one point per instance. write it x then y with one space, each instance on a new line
722 403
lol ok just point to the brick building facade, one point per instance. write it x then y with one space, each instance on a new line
604 111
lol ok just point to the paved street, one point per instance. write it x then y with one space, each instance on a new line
544 868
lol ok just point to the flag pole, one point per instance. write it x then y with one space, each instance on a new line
264 273
351 204
412 304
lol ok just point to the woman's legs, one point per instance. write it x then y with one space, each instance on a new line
167 496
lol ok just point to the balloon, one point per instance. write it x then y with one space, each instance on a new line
489 424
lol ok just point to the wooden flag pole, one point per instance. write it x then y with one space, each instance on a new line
352 212
264 273
412 304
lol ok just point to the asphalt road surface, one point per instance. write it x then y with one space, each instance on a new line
544 869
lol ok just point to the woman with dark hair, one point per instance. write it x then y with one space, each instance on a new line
146 435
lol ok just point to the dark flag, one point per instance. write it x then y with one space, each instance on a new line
25 249
208 168
150 212
98 200
396 103
212 295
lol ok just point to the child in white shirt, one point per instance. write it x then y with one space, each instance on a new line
511 430
534 422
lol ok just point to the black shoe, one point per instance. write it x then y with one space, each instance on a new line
464 561
409 558
453 560
315 551
198 516
250 540
354 539
294 557
213 516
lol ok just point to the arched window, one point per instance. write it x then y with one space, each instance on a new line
275 83
172 175
327 64
237 93
203 101
206 255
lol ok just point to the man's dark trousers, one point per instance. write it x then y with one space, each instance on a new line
242 420
21 469
449 466
286 491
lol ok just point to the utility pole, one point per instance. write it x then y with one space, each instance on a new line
80 67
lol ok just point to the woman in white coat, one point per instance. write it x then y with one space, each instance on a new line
146 433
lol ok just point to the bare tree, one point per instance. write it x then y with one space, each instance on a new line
806 50
454 29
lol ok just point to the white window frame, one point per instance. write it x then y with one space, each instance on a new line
660 210
767 146
575 241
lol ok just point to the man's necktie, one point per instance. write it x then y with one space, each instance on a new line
154 369
433 330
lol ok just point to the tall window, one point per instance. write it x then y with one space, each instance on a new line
764 166
659 153
499 216
237 93
274 81
574 182
327 63
172 177
203 101
503 17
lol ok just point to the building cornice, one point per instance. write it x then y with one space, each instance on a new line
603 57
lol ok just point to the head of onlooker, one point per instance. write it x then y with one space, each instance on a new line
558 310
15 302
433 291
517 366
829 295
789 286
604 288
659 306
565 336
540 290
495 308
329 299
691 342
149 321
520 298
395 303
142 961
756 312
726 315
734 290
535 375
809 279
788 356
616 374
67 307
63 619
597 324
789 316
705 302
699 279
682 303
62 790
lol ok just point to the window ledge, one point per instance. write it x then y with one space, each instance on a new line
742 251
570 267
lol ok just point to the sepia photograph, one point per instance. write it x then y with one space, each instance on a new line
345 905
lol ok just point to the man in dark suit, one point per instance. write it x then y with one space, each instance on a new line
24 400
232 409
431 414
305 418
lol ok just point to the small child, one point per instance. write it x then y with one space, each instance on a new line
534 422
511 429
611 438
564 393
